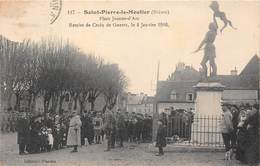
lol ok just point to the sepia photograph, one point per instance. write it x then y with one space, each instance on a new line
129 83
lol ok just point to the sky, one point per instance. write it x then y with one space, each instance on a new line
138 50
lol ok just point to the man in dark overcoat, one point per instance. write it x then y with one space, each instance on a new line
22 132
145 131
84 128
161 137
35 137
89 128
109 127
121 127
139 128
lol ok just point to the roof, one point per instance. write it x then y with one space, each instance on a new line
252 67
187 73
244 82
248 79
134 99
165 88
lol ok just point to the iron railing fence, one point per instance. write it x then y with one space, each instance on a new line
197 130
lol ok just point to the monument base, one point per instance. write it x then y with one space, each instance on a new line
208 112
208 98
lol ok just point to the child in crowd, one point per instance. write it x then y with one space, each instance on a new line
50 140
221 15
98 125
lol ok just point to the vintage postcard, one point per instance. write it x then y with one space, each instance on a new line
129 83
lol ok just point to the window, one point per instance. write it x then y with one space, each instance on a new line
189 96
173 95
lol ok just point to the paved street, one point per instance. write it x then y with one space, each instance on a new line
94 155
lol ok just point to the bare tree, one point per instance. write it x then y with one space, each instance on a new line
13 66
54 62
96 79
53 68
115 83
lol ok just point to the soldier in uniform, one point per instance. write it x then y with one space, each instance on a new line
108 127
121 127
98 124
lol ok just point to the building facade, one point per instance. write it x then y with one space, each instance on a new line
139 103
178 90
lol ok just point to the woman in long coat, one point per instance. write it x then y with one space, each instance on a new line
251 151
74 138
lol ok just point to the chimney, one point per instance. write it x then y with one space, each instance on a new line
233 72
180 66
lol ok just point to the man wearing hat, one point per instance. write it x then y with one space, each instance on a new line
139 127
23 132
109 128
226 126
121 127
84 121
74 138
161 137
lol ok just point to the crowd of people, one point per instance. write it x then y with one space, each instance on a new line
41 133
8 120
239 128
178 123
122 126
175 125
50 131
240 132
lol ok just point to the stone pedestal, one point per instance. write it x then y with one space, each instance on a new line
205 127
208 98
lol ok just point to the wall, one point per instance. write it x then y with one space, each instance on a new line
140 108
162 106
249 96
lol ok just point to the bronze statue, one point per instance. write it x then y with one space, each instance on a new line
209 50
208 41
217 13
